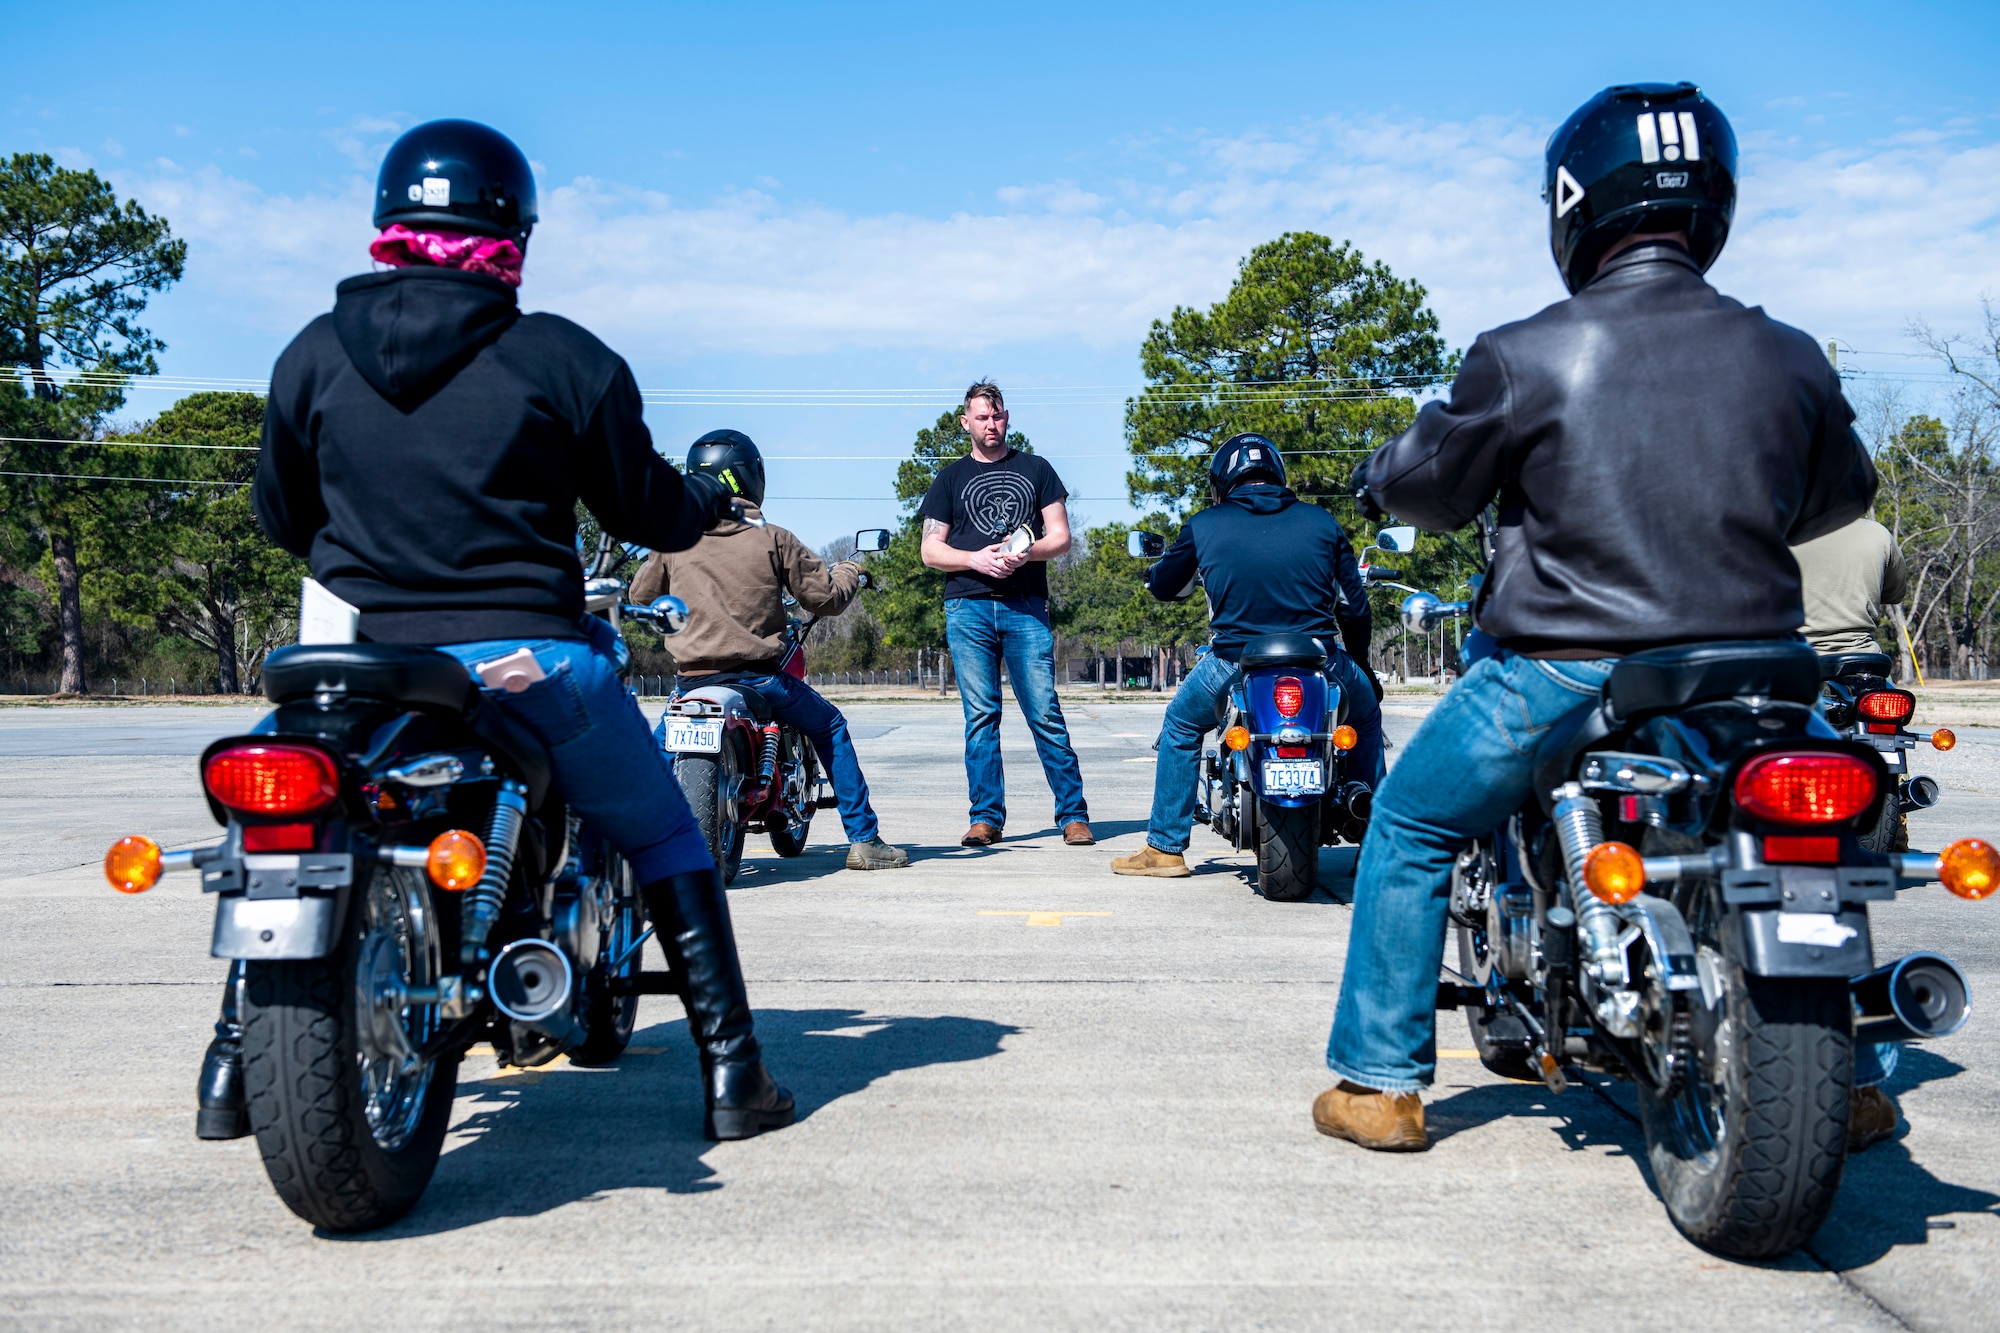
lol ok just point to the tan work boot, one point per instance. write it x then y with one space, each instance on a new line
1076 833
1871 1117
1150 860
1383 1121
981 834
875 855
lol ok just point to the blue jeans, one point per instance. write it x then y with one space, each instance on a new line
1191 715
1470 765
982 631
796 704
605 764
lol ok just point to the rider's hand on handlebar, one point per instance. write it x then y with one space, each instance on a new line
711 498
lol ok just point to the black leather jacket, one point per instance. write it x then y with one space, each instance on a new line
1655 448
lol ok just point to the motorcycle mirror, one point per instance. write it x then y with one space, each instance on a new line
1401 540
1145 545
869 540
672 614
603 587
1419 612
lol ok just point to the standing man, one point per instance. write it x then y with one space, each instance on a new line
992 522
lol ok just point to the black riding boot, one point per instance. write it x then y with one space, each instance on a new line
222 1112
691 917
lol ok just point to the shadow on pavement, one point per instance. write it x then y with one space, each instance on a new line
540 1139
1887 1197
1578 1118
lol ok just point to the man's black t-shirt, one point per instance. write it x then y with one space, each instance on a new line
982 503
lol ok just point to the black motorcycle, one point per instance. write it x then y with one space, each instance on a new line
1859 700
1684 903
402 882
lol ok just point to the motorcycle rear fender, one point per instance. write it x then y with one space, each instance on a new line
1757 938
729 700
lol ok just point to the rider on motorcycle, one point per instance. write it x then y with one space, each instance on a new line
1316 589
425 447
1654 447
734 583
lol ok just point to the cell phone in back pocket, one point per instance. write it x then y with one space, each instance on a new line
513 673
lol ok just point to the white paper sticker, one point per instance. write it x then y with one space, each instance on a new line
1813 928
324 618
265 913
437 192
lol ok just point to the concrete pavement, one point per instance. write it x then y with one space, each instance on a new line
1004 1121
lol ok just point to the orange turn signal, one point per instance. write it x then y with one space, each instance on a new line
1614 872
1236 738
1345 737
1970 868
133 864
457 860
1943 738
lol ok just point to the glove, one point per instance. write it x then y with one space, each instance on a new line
1358 487
709 498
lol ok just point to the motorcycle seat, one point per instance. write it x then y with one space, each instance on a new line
1283 650
1688 673
1832 666
759 706
391 671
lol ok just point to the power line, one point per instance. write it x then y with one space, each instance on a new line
151 481
128 444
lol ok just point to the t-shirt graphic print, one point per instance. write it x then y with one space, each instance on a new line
982 503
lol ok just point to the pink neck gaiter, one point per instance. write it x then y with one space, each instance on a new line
399 247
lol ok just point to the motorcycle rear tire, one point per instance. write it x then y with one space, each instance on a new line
1287 852
1763 1184
788 838
1882 838
303 1075
704 779
1509 1059
609 1019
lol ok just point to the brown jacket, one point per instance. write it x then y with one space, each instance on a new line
734 581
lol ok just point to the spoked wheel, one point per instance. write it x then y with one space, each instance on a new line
608 1018
801 769
713 784
1748 1151
349 1115
1287 851
1500 1037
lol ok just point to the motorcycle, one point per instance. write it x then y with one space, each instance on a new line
401 881
1859 700
1684 903
1278 779
741 770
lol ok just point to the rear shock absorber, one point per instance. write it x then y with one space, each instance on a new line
767 762
1580 828
484 899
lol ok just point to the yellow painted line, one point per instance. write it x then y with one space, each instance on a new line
1458 1055
1045 918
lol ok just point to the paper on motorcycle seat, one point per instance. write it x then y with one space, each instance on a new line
1020 540
324 618
513 673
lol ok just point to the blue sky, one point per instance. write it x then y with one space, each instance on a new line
751 197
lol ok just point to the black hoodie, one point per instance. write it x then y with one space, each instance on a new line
425 446
1270 565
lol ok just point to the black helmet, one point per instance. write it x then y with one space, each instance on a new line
1241 458
730 457
457 175
1639 157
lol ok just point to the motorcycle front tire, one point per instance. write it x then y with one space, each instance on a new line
1287 852
608 1019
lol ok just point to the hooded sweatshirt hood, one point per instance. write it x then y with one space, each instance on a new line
408 331
1263 497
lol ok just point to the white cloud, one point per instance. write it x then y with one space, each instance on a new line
1850 244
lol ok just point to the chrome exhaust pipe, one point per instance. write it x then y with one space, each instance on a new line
1920 793
531 982
1912 999
1358 800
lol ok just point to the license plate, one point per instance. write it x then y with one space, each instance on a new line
1893 760
693 734
1294 777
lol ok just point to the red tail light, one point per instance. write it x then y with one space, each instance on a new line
1289 695
1813 788
1886 705
271 779
279 837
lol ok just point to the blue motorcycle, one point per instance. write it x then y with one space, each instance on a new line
1278 779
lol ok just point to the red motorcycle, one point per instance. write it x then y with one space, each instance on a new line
741 770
